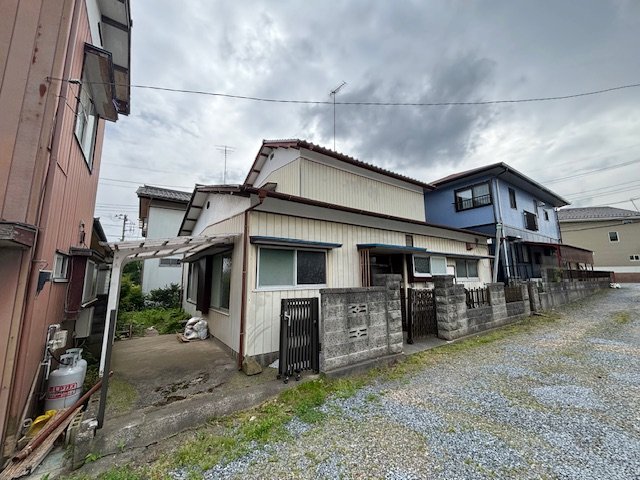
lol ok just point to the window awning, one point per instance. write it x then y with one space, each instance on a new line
292 242
385 248
98 77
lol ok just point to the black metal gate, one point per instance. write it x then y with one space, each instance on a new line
299 337
421 314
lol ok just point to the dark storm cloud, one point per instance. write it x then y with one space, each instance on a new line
401 136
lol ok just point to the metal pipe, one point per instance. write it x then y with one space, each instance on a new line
26 451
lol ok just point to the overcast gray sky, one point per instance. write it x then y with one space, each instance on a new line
400 51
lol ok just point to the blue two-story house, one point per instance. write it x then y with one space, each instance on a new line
518 213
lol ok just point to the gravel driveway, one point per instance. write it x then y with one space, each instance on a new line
559 401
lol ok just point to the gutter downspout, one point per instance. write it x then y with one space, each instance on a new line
245 250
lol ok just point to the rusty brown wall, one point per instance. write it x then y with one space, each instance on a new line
44 179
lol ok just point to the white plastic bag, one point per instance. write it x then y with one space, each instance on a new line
202 329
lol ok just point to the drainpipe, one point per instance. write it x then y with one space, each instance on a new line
245 251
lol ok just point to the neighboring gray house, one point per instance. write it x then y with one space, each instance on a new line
161 213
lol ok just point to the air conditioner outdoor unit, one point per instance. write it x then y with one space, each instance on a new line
84 322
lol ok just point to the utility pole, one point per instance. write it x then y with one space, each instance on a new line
333 93
225 149
124 218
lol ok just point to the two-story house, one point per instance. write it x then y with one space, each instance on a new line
307 218
517 213
64 68
612 233
160 214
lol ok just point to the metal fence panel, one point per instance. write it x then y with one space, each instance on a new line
299 337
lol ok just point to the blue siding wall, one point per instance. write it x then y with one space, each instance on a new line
440 208
525 202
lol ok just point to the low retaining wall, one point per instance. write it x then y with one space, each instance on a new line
456 320
360 325
552 295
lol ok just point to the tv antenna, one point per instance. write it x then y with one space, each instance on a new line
226 149
333 94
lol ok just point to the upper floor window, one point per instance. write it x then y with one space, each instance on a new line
530 221
472 197
61 268
86 124
512 198
170 262
613 237
546 215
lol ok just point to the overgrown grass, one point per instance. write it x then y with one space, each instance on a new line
621 317
121 396
165 320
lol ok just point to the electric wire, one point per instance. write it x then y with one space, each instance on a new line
362 103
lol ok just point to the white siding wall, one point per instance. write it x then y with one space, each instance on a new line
225 326
343 266
162 223
341 187
221 206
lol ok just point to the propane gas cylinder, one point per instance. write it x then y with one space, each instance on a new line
65 384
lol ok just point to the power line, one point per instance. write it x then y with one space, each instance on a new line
589 172
146 183
367 103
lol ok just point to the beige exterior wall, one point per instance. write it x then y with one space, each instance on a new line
341 187
225 326
343 266
607 255
318 177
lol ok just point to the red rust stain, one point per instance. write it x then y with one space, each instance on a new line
35 54
43 89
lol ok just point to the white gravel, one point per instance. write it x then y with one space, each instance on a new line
561 401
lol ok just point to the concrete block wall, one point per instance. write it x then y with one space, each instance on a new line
455 320
359 325
559 293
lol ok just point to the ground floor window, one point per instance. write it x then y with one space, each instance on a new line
192 282
221 280
425 266
278 267
466 268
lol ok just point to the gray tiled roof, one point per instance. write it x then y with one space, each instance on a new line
595 213
164 194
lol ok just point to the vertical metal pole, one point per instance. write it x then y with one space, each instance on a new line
105 378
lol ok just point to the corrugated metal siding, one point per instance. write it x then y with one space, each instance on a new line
343 266
329 184
70 191
287 178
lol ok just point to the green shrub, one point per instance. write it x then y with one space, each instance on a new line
131 296
168 297
165 320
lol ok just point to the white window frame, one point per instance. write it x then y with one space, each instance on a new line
90 288
431 264
467 260
295 286
222 255
617 240
60 272
192 283
170 264
86 127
